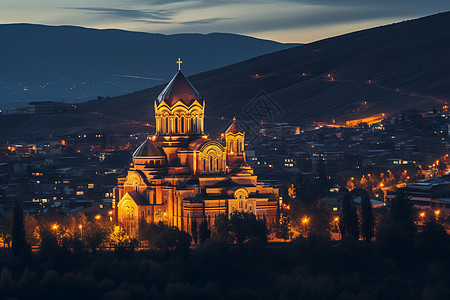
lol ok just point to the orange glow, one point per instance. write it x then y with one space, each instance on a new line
336 219
422 214
195 163
55 226
437 212
98 217
381 184
81 226
305 220
110 212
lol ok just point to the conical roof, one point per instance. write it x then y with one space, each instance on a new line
148 148
234 128
179 89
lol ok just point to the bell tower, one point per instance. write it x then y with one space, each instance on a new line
179 109
234 140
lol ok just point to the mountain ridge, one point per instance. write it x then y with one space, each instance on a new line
74 64
373 66
385 69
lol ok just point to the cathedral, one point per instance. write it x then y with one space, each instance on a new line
179 174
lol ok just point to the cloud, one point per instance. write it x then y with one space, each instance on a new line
129 13
205 21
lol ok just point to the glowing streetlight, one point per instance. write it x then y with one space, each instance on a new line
437 213
422 215
336 219
97 217
305 221
81 229
55 226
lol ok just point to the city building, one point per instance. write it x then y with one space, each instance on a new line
179 174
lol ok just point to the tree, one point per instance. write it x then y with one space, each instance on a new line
401 208
321 218
434 236
222 227
204 231
121 242
171 238
245 226
349 216
367 219
96 233
283 230
6 229
194 232
32 234
19 243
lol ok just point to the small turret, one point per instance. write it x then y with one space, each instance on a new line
234 138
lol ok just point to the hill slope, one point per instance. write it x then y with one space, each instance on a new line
74 63
407 65
381 70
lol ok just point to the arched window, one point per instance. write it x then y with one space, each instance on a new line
167 125
211 164
182 124
192 125
176 124
204 164
217 164
237 147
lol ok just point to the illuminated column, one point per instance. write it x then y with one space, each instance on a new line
170 212
180 213
202 124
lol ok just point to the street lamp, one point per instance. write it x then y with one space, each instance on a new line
97 217
336 220
422 215
437 212
305 222
81 229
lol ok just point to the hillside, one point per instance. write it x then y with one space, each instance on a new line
78 64
381 70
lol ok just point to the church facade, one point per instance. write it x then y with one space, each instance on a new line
179 174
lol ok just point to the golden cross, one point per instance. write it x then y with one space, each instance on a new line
179 62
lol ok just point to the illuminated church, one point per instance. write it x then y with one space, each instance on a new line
179 174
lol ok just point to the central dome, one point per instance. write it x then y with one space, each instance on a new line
179 89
